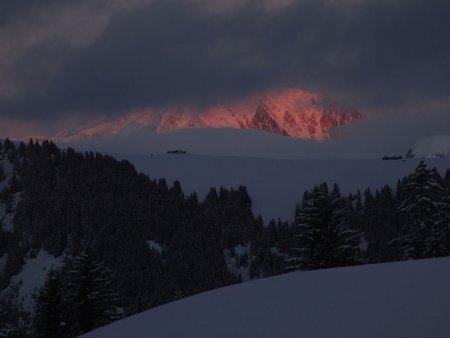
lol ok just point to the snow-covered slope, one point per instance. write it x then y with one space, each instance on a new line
407 299
289 112
36 266
275 185
218 142
32 277
356 140
431 147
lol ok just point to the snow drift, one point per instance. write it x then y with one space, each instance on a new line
405 299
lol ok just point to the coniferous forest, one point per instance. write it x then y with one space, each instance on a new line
103 218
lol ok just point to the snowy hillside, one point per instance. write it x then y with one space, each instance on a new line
437 146
32 277
275 186
355 140
210 141
406 299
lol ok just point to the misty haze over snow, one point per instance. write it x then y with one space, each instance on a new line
369 138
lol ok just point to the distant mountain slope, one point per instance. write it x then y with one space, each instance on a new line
274 185
406 299
431 147
290 112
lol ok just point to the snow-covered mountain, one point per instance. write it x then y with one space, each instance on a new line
431 147
406 299
290 112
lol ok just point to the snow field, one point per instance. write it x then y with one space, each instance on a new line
404 299
274 185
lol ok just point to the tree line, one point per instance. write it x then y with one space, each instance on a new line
100 214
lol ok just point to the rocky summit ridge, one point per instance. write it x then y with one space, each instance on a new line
292 112
289 112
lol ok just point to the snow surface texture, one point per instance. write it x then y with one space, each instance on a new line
431 147
233 261
274 185
32 277
405 299
155 246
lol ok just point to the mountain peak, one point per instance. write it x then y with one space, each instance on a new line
289 112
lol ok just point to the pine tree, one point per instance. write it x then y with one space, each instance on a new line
425 205
2 173
447 179
325 238
446 221
8 145
369 200
90 294
50 313
4 325
14 184
310 223
9 320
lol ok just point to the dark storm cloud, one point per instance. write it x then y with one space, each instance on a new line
373 53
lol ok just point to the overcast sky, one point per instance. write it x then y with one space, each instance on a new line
70 60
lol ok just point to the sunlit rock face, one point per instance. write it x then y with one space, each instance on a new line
291 112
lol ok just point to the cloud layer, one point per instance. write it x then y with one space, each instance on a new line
66 59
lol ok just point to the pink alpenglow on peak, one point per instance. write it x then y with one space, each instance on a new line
290 112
